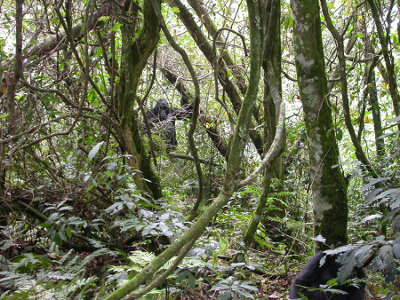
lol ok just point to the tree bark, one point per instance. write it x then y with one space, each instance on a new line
388 57
272 101
372 94
376 115
329 189
12 80
135 54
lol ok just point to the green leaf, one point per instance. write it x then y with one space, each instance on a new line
339 134
95 150
175 10
116 27
104 18
68 232
224 245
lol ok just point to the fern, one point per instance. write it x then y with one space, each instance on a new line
141 258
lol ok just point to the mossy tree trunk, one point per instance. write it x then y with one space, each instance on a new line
272 100
136 50
329 188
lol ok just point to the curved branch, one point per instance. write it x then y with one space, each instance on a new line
35 128
233 31
208 23
338 37
216 65
54 91
29 144
161 278
196 103
272 153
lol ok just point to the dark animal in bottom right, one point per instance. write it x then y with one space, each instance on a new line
313 275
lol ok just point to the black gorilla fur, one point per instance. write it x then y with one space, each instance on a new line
161 112
313 275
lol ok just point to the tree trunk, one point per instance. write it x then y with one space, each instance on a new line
328 183
376 115
372 94
388 57
272 101
135 54
11 82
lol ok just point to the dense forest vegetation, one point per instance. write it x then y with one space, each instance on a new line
195 149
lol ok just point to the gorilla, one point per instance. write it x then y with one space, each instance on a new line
313 275
159 112
162 113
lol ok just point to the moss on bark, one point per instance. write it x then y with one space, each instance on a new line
136 51
329 189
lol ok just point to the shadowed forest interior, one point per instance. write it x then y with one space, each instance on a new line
195 149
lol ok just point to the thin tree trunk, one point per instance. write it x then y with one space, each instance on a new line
388 57
376 116
372 94
338 37
12 80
